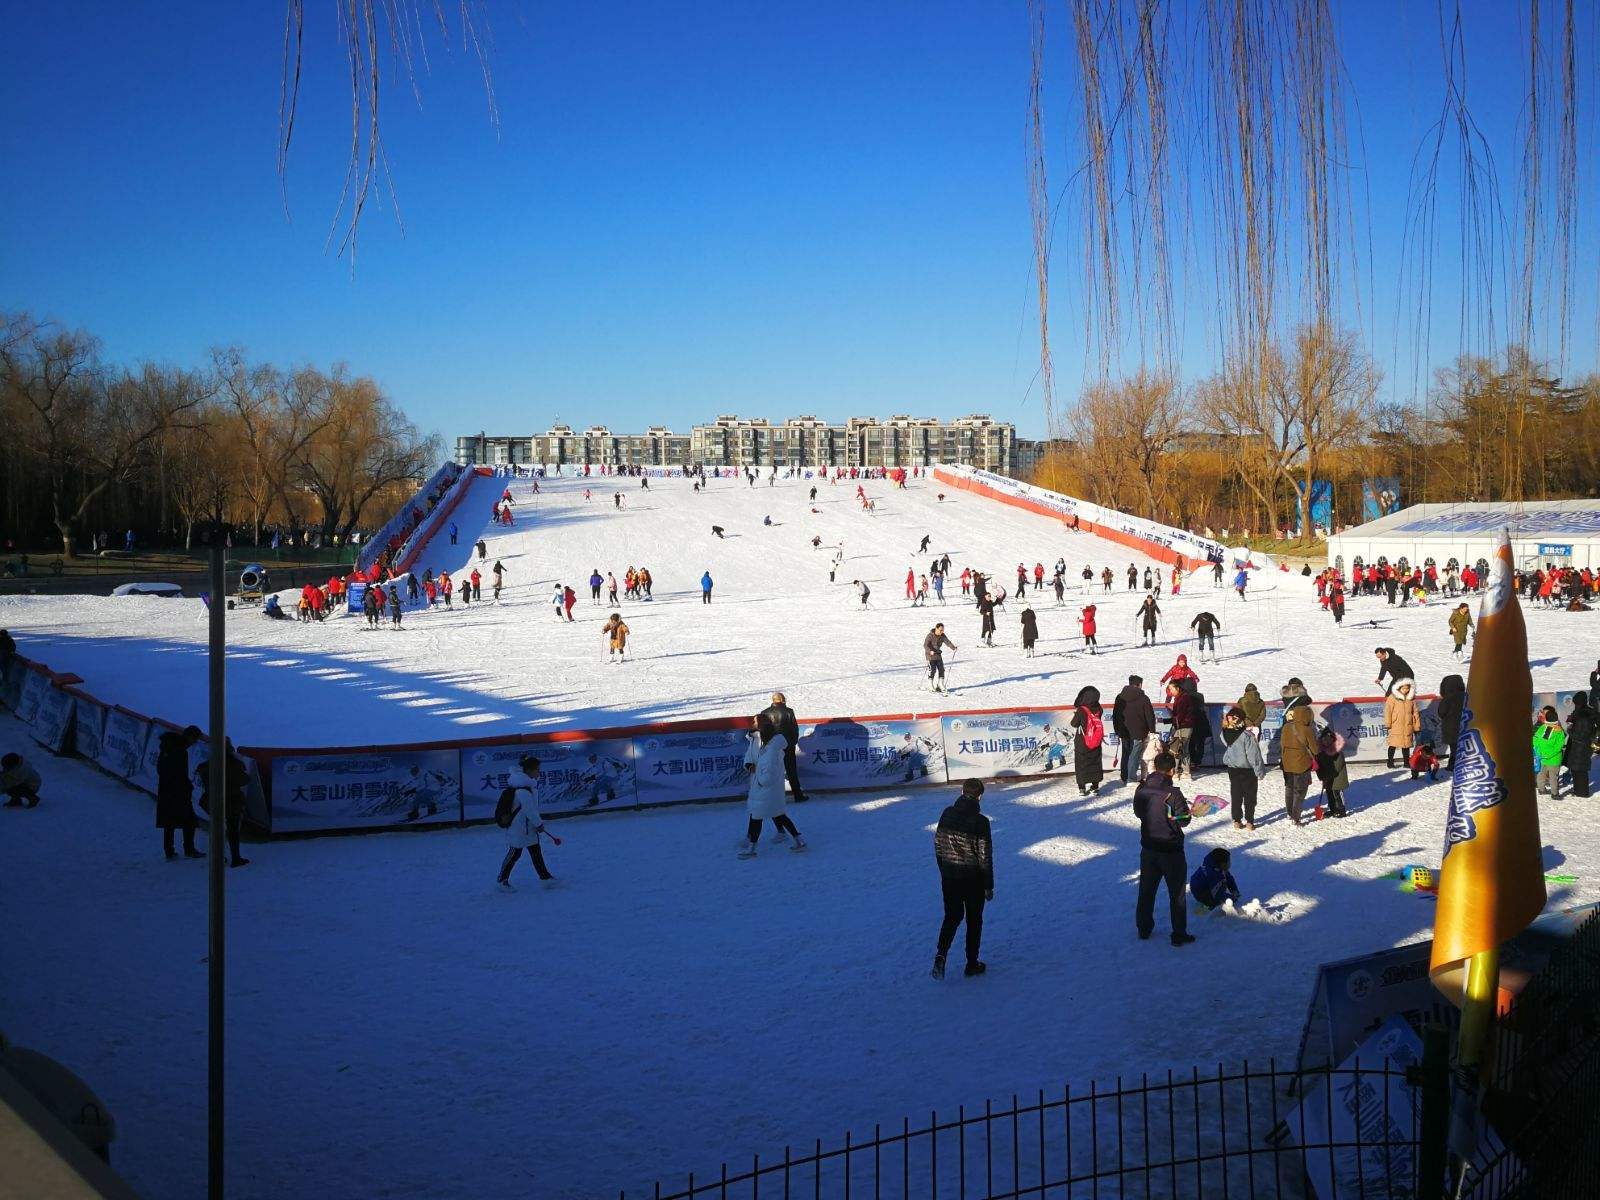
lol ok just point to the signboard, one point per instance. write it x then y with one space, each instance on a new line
34 686
1379 498
672 767
1555 550
122 744
588 773
986 747
145 774
383 787
1360 723
857 754
88 724
52 719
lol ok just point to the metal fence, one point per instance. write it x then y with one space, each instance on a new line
1244 1133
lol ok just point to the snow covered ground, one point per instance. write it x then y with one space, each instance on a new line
399 1028
775 621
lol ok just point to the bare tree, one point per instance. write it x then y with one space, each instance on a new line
277 418
1127 428
1261 423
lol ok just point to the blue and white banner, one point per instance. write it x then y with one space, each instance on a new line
592 773
1360 723
145 775
52 719
384 787
858 754
122 744
88 725
34 686
985 747
673 767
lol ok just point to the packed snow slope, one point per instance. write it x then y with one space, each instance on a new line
398 1028
775 621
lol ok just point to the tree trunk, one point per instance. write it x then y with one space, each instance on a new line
66 539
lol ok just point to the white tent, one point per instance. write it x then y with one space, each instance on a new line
1565 532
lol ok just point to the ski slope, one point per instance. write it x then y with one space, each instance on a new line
775 621
399 1028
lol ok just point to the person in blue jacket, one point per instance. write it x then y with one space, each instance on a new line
452 533
1212 883
705 588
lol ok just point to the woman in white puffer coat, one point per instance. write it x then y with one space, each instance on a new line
764 760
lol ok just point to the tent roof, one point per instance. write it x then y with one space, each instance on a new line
1565 519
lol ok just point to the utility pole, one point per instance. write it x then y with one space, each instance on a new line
217 784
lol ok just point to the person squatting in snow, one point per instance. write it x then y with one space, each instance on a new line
763 761
519 815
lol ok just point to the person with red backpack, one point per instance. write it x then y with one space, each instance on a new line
1088 762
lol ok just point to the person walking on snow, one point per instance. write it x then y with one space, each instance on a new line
1088 743
1163 812
1086 620
1133 720
1460 624
963 849
1030 631
1149 618
596 582
785 722
569 601
526 824
615 631
175 790
1297 748
477 584
763 761
705 588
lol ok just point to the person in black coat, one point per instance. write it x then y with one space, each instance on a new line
174 794
1580 742
1594 677
1133 720
783 721
1088 762
236 780
964 851
1391 667
1452 697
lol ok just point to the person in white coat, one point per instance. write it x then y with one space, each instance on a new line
764 761
527 823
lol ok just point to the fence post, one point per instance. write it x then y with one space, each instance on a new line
1433 1077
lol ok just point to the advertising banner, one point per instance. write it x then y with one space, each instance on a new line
88 724
672 767
1366 737
34 686
122 744
591 773
52 719
985 747
145 775
857 754
383 787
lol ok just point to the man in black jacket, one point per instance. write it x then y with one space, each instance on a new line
965 854
174 793
1391 667
1162 812
1133 720
236 778
783 720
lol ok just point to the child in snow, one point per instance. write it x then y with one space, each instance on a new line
1549 747
525 825
615 631
1424 759
19 781
1213 883
1330 766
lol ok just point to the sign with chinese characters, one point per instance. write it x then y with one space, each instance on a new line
984 747
52 719
122 744
383 787
848 753
690 766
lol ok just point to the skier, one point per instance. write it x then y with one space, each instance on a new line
1088 758
1149 580
394 606
911 584
717 529
499 577
596 582
611 588
966 581
477 584
926 538
933 650
600 775
1162 811
863 591
483 550
938 585
764 762
1149 616
1216 573
705 588
922 592
986 610
523 822
452 533
569 601
1205 626
1241 581
1022 580
1030 631
1180 671
964 851
370 607
1086 621
616 634
833 567
1133 578
1059 585
446 587
1105 581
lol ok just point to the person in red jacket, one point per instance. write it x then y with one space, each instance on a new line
477 584
1180 671
446 588
911 585
569 600
1038 577
1088 622
432 590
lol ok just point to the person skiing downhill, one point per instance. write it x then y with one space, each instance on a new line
933 650
926 538
1205 626
1241 581
1149 617
862 590
615 631
499 577
964 851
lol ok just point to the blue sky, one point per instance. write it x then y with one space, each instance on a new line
685 210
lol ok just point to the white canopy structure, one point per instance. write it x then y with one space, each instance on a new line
1564 532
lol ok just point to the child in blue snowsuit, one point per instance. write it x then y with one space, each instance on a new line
1212 883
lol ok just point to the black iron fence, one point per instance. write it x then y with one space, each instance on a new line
1244 1133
